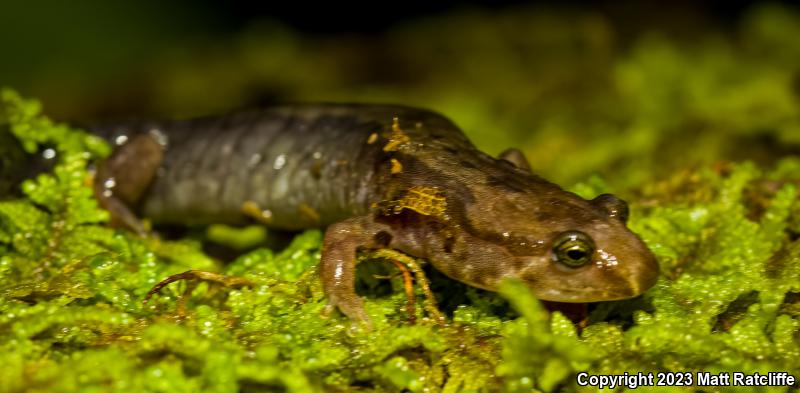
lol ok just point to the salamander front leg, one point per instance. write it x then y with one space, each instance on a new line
122 179
338 265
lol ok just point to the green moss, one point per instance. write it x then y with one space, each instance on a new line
725 233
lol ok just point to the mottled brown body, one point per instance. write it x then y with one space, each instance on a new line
382 177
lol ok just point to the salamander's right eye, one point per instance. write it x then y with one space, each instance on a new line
573 249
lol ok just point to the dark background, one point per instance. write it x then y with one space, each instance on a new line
105 48
377 16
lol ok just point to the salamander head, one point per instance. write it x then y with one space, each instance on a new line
567 249
594 260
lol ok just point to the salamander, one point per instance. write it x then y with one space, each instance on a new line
377 177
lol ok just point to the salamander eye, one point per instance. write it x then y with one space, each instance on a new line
573 249
614 206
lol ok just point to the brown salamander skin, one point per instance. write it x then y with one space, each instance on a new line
377 176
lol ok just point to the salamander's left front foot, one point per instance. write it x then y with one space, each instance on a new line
352 308
338 264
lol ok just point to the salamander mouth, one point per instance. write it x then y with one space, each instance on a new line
587 295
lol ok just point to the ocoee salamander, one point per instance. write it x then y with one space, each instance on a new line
377 176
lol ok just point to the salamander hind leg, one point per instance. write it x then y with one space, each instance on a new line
122 179
338 263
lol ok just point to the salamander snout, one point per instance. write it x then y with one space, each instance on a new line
596 262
